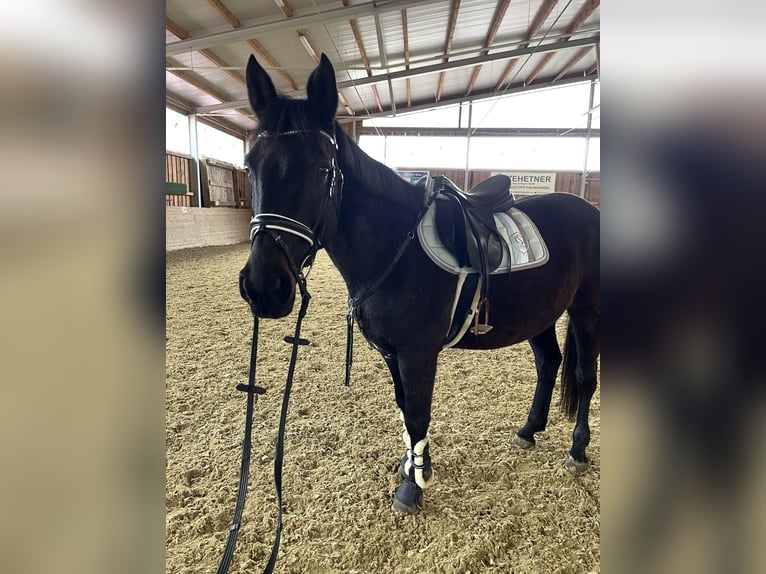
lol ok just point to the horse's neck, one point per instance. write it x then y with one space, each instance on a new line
370 230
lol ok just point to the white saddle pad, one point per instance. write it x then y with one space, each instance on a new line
523 246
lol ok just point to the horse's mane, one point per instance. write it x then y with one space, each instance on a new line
376 177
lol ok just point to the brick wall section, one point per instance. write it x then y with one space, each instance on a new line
199 227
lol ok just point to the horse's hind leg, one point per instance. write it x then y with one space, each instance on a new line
547 362
583 329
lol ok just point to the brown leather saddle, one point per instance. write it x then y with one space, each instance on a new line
465 223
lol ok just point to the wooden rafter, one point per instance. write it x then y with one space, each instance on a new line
182 34
406 55
196 81
494 26
266 57
225 13
257 48
284 7
571 63
542 14
448 43
365 61
175 29
585 12
592 69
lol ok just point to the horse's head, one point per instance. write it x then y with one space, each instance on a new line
296 186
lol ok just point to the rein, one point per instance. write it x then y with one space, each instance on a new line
251 389
272 224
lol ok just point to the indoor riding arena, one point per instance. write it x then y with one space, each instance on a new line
471 90
492 507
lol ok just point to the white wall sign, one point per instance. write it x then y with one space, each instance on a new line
412 176
531 181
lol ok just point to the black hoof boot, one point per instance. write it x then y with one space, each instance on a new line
409 498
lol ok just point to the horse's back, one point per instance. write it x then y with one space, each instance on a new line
558 205
565 221
571 229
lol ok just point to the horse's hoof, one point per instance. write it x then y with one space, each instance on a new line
522 443
576 467
409 498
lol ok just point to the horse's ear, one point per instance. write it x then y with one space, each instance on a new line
260 88
322 91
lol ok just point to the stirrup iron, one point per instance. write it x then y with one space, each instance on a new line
485 327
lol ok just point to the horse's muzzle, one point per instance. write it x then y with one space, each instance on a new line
270 293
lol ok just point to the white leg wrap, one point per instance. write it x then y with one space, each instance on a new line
408 443
405 434
414 455
417 459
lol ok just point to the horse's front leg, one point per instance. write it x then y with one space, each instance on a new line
417 372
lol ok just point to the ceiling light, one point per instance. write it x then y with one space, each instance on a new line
308 46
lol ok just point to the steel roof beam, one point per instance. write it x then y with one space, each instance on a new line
324 12
435 68
477 132
453 64
443 66
430 104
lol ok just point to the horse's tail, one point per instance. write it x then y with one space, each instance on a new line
570 395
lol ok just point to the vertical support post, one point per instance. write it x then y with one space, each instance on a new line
468 145
194 150
587 139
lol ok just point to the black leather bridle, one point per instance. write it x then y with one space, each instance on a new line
276 223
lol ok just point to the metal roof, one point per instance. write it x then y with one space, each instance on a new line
389 56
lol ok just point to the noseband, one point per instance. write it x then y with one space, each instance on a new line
276 222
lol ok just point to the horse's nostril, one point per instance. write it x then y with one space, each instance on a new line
243 288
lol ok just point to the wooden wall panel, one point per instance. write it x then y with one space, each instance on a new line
179 168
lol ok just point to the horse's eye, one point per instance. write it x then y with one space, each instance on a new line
323 171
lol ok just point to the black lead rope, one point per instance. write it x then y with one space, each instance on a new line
251 391
279 451
244 470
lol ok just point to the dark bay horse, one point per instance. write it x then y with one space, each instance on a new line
313 188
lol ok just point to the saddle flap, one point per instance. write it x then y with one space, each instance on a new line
451 227
467 234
